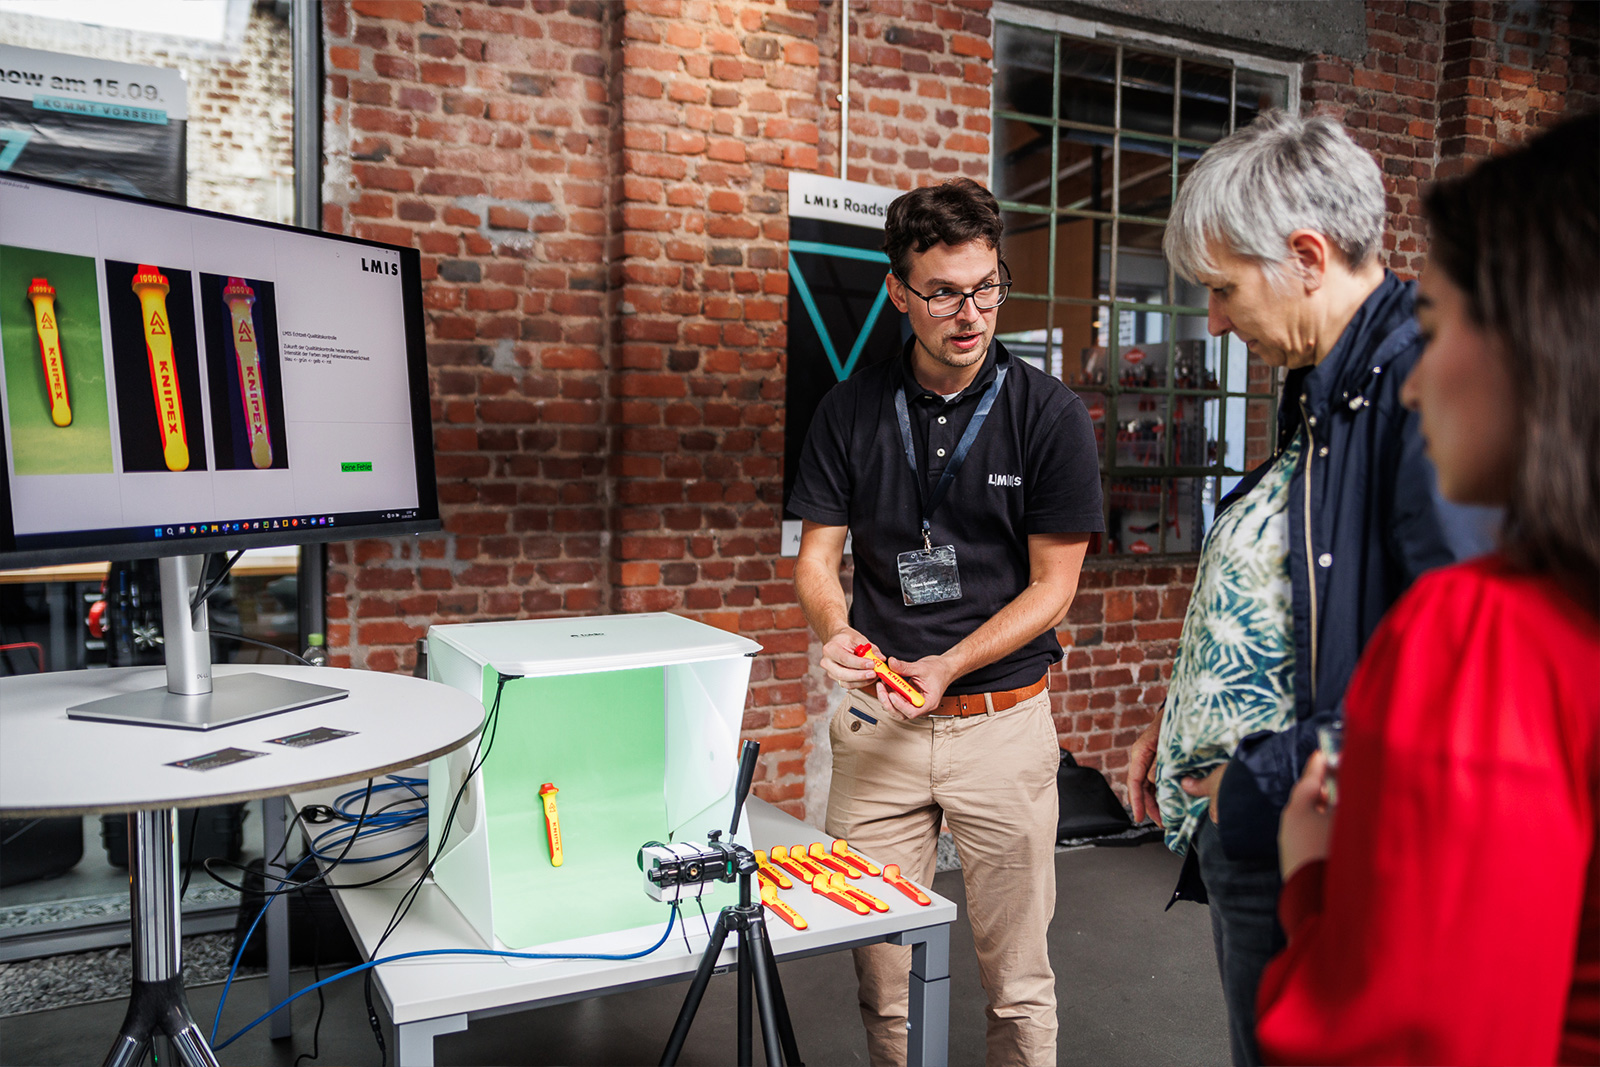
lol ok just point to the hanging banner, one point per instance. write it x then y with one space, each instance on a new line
840 318
94 123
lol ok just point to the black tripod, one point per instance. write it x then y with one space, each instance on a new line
757 966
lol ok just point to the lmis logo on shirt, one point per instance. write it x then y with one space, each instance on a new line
1005 479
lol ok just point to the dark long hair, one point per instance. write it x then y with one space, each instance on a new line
952 213
1520 236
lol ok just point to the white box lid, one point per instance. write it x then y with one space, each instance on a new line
534 648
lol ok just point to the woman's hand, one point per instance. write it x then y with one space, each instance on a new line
1141 773
1306 825
1206 787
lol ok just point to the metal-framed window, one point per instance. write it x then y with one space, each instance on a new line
1095 128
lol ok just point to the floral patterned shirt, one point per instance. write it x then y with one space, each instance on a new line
1234 673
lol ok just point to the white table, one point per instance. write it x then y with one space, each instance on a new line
52 765
441 995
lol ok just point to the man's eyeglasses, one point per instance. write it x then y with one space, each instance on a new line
944 303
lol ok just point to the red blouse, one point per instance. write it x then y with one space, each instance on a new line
1457 917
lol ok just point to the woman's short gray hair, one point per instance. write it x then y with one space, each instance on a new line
1258 185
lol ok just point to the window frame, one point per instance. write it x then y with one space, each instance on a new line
1065 28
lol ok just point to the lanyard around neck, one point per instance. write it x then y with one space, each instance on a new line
930 503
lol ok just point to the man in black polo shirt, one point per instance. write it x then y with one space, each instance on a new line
970 484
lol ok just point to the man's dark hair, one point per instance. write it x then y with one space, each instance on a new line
952 213
1520 237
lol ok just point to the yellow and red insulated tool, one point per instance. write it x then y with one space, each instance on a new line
780 856
824 886
818 855
766 870
860 894
892 876
889 678
43 295
153 287
801 854
842 849
769 897
552 821
240 298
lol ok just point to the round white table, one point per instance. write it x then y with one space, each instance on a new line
52 765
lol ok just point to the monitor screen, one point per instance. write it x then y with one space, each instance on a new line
177 382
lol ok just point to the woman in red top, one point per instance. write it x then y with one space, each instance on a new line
1450 913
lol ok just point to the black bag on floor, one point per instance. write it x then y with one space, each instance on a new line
317 934
1088 806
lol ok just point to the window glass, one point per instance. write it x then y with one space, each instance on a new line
1178 414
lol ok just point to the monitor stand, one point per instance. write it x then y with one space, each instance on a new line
192 699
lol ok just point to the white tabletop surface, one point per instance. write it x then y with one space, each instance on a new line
435 986
52 765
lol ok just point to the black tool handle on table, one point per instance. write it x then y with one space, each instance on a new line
741 788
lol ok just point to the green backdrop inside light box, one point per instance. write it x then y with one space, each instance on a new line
601 740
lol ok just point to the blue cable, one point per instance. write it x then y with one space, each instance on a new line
216 1019
671 918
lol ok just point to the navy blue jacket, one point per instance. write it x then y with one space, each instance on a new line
1365 520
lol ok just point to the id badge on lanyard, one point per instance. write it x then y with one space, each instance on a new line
930 574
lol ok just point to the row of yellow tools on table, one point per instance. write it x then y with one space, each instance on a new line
829 873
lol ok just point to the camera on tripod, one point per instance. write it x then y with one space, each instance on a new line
685 869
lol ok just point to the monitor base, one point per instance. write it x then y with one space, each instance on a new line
233 698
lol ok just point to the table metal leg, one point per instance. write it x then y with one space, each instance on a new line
273 833
157 1003
928 1036
414 1041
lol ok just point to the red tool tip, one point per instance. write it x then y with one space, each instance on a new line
862 650
548 787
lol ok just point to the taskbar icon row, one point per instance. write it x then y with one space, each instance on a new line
208 529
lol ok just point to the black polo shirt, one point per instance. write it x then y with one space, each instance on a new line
1033 469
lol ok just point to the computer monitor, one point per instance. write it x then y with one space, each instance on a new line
175 382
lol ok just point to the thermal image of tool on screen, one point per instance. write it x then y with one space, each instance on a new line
240 298
43 295
152 287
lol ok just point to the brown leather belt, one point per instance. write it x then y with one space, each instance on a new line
973 703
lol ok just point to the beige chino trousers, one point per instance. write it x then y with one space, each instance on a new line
992 778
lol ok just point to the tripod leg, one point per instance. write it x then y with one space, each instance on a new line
697 989
791 1050
746 977
754 945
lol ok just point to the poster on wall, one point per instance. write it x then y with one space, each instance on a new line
840 317
94 123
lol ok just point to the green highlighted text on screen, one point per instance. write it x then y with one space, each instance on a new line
355 468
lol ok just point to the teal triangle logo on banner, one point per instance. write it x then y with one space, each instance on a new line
841 371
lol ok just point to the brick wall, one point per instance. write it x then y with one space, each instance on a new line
1442 83
240 133
599 193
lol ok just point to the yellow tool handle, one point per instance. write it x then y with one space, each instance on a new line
891 875
769 897
765 868
43 295
866 898
833 863
152 287
780 856
842 849
552 821
240 297
824 887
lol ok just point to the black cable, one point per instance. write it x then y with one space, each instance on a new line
485 745
205 589
316 976
188 864
284 885
231 636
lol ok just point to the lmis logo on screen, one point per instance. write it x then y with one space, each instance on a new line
378 266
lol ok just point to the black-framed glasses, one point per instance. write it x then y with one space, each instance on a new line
946 302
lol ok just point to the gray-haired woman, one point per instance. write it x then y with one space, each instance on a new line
1283 222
